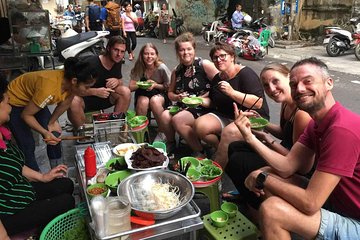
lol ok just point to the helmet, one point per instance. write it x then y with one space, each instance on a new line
137 6
247 19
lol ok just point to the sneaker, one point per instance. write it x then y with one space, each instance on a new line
160 137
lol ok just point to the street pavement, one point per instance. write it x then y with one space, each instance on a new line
345 71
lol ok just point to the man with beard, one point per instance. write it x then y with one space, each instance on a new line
332 141
108 90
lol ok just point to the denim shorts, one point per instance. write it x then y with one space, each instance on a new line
336 227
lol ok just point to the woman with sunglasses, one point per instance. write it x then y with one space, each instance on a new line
242 158
191 77
234 83
150 68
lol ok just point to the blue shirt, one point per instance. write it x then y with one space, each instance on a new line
103 14
237 19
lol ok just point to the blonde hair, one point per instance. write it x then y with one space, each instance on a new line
139 67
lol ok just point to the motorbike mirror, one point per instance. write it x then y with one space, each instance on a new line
262 11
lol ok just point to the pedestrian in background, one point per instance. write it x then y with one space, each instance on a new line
129 20
163 23
93 21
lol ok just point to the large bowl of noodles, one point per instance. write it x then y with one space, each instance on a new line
157 194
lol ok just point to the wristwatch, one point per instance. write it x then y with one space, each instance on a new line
260 180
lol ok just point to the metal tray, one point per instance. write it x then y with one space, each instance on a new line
102 150
190 211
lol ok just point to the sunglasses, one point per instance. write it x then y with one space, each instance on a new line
221 57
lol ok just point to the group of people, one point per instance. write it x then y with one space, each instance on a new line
309 177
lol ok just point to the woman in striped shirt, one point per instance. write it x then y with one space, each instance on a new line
28 199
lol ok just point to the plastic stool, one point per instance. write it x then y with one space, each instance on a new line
140 135
237 228
212 193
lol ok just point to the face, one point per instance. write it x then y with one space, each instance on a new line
149 56
186 53
5 110
308 88
164 6
128 8
276 85
222 60
79 89
117 52
238 8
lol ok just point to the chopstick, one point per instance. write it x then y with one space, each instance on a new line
249 109
69 138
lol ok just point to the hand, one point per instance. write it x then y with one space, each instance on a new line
182 95
250 183
112 83
225 87
125 36
51 139
104 92
54 127
56 172
263 136
242 122
153 84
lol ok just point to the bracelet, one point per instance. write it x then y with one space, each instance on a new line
273 141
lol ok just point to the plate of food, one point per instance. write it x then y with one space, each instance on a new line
146 157
258 123
210 173
192 102
143 84
121 149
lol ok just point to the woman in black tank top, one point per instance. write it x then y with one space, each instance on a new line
242 158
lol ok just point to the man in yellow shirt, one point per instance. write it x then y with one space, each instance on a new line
32 92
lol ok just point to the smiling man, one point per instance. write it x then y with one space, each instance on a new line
332 142
108 90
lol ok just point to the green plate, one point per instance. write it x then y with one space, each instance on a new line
174 110
137 121
210 171
258 123
192 102
143 85
117 162
113 179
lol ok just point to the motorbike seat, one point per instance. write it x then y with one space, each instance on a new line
64 43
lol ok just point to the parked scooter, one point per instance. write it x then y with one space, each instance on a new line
179 23
206 26
257 26
356 37
73 44
338 40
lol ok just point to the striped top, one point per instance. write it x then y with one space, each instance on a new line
16 193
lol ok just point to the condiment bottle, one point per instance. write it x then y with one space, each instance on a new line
90 162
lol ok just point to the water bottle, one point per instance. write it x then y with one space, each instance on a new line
90 162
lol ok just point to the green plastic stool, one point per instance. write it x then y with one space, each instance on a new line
237 228
140 135
161 145
212 193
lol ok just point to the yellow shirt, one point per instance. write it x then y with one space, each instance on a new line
41 87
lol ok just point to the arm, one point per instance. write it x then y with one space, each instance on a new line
209 68
34 176
123 25
132 85
284 166
308 200
58 111
301 121
3 233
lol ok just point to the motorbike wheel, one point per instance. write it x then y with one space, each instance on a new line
357 51
332 49
221 38
271 42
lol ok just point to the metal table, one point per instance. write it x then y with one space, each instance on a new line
186 221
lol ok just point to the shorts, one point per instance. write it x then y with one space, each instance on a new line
224 121
334 226
95 103
150 94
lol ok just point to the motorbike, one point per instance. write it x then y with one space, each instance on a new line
256 26
73 44
356 37
206 26
179 24
338 40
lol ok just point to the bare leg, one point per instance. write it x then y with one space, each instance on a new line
156 106
121 99
76 113
228 135
142 105
278 218
208 128
183 123
166 126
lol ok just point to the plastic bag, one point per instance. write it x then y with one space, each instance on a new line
170 31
